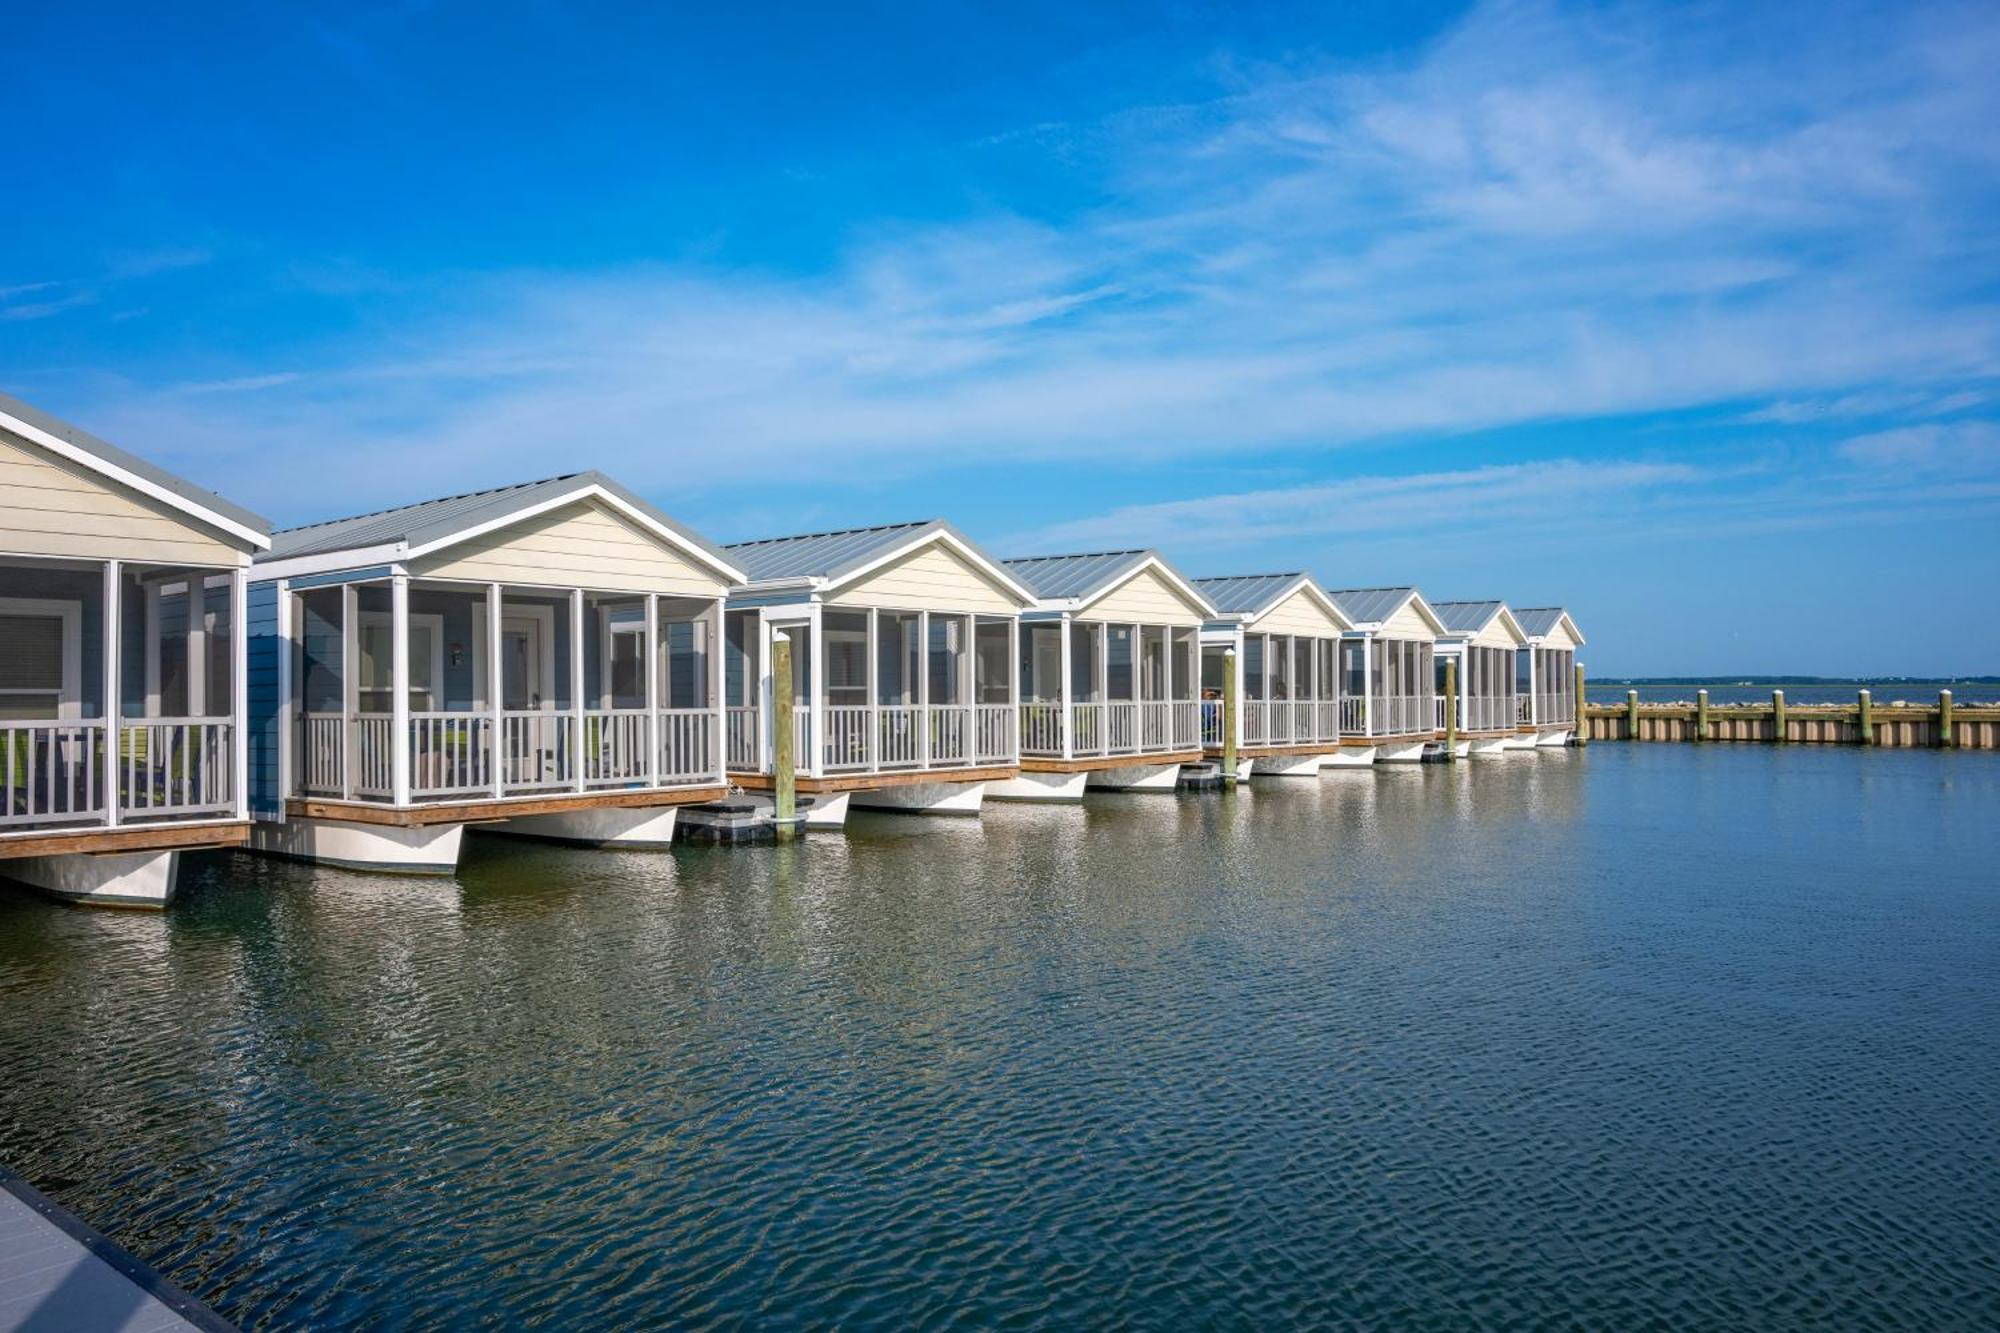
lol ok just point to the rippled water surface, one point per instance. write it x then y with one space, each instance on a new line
1638 1036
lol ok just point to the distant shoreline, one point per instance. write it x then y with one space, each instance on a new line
1746 682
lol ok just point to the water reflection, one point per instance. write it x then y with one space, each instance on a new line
1631 1035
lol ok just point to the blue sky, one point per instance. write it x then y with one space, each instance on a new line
1683 316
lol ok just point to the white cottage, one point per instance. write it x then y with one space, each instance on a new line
1481 638
1285 632
123 646
903 641
1545 676
1110 668
538 659
1388 660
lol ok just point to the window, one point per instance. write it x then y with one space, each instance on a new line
377 664
36 662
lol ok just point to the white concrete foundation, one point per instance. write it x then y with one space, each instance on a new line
114 879
1520 742
382 848
1041 788
1462 750
1487 747
1553 739
925 798
1349 756
826 814
1288 766
641 830
1406 752
1136 777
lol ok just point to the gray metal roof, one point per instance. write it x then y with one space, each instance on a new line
1245 594
116 457
831 555
431 520
1367 606
1064 576
1467 617
1536 621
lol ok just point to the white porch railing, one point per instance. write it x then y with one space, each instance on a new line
999 738
451 754
1211 723
614 747
1485 714
743 755
1524 709
687 744
1154 726
1353 716
896 737
1553 708
52 773
1402 714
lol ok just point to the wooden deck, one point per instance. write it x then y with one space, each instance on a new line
839 782
1101 762
479 812
131 838
58 1274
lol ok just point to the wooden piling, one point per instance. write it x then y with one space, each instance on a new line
1701 715
1631 715
1867 719
784 772
1450 709
1581 731
1779 732
1944 736
1230 710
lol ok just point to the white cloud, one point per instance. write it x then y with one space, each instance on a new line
1959 446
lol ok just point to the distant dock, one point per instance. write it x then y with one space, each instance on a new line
1901 725
59 1276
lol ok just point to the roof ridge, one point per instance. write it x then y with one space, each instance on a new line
1276 574
1385 587
833 532
419 504
1072 555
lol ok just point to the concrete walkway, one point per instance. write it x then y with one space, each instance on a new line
59 1276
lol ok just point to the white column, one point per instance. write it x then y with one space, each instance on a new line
1013 680
399 687
196 644
718 707
872 669
290 736
815 697
766 695
350 664
1369 686
114 639
576 695
923 689
496 677
649 662
239 686
1064 694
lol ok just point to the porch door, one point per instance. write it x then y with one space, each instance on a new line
530 753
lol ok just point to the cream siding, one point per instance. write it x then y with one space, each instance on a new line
581 545
1496 635
51 506
1298 614
934 578
1560 637
1408 623
1146 598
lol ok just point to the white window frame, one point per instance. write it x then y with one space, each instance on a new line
69 701
547 616
435 621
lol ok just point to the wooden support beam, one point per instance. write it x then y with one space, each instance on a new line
1582 729
1944 725
1631 715
784 775
1780 725
1231 710
1450 709
1867 719
1701 715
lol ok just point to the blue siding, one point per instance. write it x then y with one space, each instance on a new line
265 722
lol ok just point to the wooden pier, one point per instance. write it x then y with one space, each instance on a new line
1903 725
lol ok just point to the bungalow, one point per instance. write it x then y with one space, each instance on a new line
1482 638
122 665
1387 659
903 643
1285 632
1545 676
537 659
1110 668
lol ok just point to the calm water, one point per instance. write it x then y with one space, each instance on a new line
1643 1036
1884 692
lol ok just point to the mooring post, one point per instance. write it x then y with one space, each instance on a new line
1229 712
1867 720
1701 715
1944 737
1631 715
1450 709
784 775
1779 732
1582 729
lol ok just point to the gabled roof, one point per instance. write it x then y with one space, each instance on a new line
1249 596
828 559
1373 606
1538 622
80 446
1078 580
418 529
1469 619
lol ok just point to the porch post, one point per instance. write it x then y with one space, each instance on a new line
239 686
1013 676
495 679
718 707
1369 667
1104 687
399 687
576 695
873 673
114 639
923 689
195 645
1064 694
649 662
816 695
350 661
1450 708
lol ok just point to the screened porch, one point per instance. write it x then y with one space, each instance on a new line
1291 691
1393 682
411 691
1546 679
1486 700
1094 689
118 694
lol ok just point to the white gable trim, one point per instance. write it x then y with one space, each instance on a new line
62 448
1021 592
1318 594
1204 608
728 572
